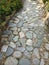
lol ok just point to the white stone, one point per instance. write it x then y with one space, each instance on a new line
36 53
42 62
17 54
29 42
47 47
11 61
4 48
22 34
12 45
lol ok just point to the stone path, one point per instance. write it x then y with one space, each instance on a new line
24 40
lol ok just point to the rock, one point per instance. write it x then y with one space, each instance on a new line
46 55
15 39
9 51
21 49
29 35
36 53
20 24
1 56
4 48
27 54
47 46
18 44
29 42
17 54
15 32
12 24
19 29
42 62
13 29
11 61
21 34
36 61
29 48
24 62
23 41
12 45
34 35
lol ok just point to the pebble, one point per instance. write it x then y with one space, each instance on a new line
21 49
36 61
36 53
24 62
29 42
21 34
11 61
29 48
47 46
12 25
4 48
13 29
17 54
29 35
42 62
13 45
1 56
20 24
15 39
46 55
9 51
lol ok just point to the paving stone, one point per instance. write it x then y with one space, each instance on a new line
42 62
36 61
15 33
13 45
20 24
21 34
4 48
29 48
15 39
29 42
47 46
17 54
13 29
22 49
46 55
12 25
29 35
9 51
11 61
1 56
18 44
36 53
24 62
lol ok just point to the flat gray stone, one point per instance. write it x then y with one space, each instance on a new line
12 25
15 39
20 24
11 61
9 51
29 35
1 56
36 61
47 46
24 62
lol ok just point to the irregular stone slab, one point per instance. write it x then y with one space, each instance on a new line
15 39
29 35
29 48
42 62
47 46
9 51
46 55
36 61
11 61
22 49
4 48
13 45
12 24
21 34
29 42
1 56
13 29
20 24
24 62
36 53
17 54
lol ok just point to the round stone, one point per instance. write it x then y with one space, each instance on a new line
36 61
1 56
12 45
29 48
9 51
15 39
11 61
21 34
29 35
29 42
24 62
17 54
